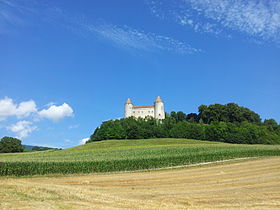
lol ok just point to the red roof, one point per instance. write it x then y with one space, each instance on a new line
158 99
128 101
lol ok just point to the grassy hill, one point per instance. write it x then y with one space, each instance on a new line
123 155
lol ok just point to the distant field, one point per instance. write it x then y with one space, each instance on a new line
126 155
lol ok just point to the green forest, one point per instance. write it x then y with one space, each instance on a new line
229 123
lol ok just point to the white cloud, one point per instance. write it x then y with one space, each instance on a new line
28 110
22 128
83 141
255 19
6 16
14 13
9 108
11 13
25 108
130 38
56 113
50 104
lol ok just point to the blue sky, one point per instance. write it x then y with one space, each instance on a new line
66 66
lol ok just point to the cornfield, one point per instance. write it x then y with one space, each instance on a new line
127 155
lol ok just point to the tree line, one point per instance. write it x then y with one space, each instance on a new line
11 144
224 123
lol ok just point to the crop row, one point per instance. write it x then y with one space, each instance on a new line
131 153
70 167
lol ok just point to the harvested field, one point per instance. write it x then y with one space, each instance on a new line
250 184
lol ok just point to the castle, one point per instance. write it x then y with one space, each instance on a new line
156 110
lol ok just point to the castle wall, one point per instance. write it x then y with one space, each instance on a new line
143 112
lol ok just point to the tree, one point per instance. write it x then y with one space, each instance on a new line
192 117
270 122
36 148
10 144
202 113
272 125
216 131
179 116
167 124
230 112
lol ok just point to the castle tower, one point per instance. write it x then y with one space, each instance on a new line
159 109
128 108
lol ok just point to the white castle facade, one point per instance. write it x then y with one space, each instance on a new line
156 110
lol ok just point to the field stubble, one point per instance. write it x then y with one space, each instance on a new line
250 184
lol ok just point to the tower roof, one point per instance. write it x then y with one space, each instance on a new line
158 99
128 101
